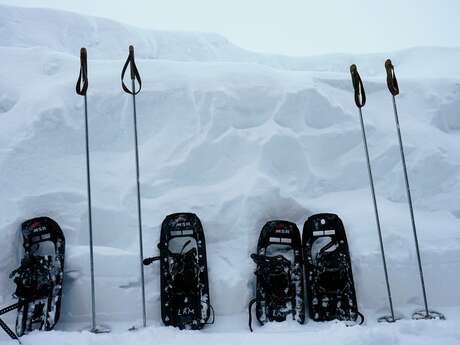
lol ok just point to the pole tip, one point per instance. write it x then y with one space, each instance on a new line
83 52
131 49
353 68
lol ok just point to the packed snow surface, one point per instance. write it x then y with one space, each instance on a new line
238 138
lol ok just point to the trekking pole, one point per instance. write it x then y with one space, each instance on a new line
360 100
81 88
134 74
394 90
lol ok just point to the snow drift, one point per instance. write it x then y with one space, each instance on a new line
237 137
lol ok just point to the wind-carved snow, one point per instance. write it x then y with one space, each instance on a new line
237 137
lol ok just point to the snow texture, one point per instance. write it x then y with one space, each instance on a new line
239 138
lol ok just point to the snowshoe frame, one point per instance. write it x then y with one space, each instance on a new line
42 311
184 311
329 277
280 232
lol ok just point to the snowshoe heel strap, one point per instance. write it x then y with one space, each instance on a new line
361 316
213 313
251 303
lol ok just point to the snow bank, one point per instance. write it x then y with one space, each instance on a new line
238 138
403 332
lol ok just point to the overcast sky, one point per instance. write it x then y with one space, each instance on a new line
293 27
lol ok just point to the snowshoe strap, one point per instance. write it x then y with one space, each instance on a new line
185 271
82 82
275 274
213 315
148 261
34 277
251 303
185 246
327 246
362 318
133 71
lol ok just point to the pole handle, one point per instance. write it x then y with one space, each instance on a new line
134 73
392 82
360 94
82 82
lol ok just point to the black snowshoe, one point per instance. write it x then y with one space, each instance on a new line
280 286
330 287
185 299
39 278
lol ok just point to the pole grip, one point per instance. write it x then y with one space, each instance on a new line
82 82
132 65
360 94
134 73
392 82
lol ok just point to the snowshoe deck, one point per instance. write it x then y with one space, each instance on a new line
279 286
185 299
329 277
39 279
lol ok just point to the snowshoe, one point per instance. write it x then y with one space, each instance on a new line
39 278
329 277
279 272
185 299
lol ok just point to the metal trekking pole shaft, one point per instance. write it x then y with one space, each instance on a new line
134 75
81 89
139 213
411 208
360 100
393 87
376 212
90 221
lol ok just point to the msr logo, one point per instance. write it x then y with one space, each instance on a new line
183 224
39 229
282 231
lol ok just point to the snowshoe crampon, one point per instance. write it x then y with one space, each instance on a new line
185 299
279 272
329 277
39 278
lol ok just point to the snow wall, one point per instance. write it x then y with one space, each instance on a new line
237 137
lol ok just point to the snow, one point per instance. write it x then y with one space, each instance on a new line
403 332
239 138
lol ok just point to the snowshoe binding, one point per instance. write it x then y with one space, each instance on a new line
39 278
279 272
329 277
185 299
